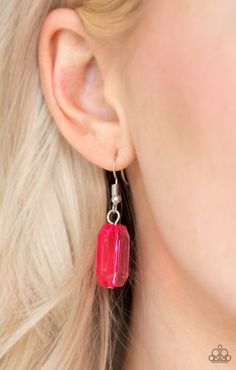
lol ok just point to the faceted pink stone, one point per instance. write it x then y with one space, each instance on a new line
112 260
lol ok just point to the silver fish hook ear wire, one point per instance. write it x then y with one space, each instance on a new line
123 177
116 197
122 171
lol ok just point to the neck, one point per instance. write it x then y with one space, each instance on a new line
175 324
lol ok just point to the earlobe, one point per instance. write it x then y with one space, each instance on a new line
73 87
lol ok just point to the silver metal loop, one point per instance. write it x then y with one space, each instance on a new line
108 216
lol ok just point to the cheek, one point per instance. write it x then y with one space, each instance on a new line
190 73
182 90
198 80
185 64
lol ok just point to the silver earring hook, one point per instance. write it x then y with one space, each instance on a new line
115 194
122 172
114 170
123 177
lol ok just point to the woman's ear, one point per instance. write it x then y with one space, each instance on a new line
74 86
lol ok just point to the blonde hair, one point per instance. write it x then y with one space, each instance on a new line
53 316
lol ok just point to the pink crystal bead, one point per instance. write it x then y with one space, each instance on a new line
112 259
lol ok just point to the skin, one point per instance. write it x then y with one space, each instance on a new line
167 104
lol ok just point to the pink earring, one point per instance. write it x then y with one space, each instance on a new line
113 245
